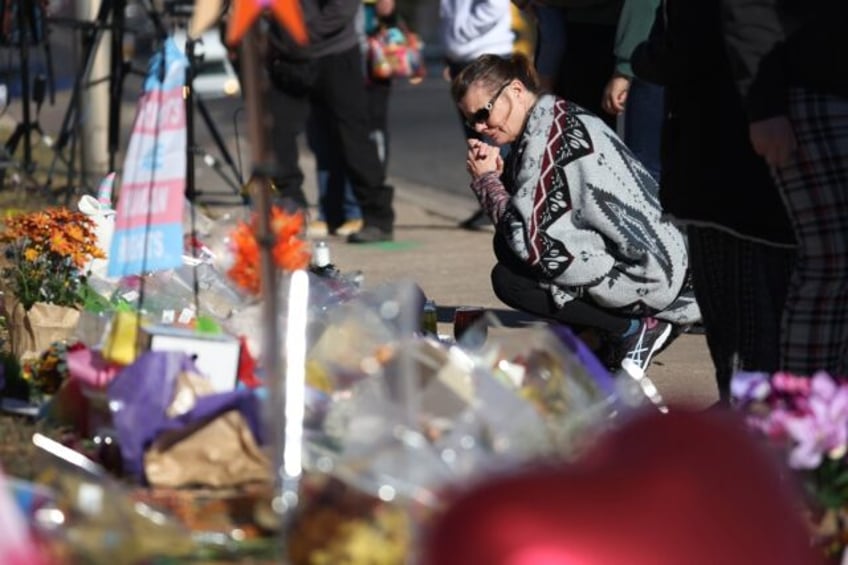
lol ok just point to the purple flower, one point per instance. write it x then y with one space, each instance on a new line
747 387
822 429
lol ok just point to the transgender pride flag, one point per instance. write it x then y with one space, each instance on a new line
149 220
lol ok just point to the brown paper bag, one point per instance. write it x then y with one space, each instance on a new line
218 453
32 331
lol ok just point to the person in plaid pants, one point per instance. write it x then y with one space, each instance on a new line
791 66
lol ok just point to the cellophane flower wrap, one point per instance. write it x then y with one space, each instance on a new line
806 420
46 252
396 422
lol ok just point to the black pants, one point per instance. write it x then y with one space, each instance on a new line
741 287
517 286
587 66
336 81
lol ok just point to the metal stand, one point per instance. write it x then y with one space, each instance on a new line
27 33
109 11
110 17
234 179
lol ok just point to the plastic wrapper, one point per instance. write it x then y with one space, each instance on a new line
217 296
93 520
168 296
553 371
165 299
325 295
341 524
395 422
461 412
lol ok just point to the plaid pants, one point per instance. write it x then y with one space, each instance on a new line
814 188
741 288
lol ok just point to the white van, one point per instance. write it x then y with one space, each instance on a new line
214 76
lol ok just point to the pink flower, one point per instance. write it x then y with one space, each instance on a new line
822 428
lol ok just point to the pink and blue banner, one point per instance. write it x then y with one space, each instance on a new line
149 221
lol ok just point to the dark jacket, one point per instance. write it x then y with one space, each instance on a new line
601 12
776 44
710 173
331 25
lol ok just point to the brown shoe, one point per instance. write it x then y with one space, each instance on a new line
349 227
317 228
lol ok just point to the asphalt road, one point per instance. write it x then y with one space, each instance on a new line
427 143
427 146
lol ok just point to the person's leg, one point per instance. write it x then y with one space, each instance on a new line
814 188
643 119
618 337
523 293
740 286
329 165
764 276
289 113
378 93
551 43
587 65
341 86
714 262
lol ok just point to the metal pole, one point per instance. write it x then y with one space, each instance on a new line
259 122
24 19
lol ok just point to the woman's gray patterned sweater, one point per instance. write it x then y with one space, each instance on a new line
581 210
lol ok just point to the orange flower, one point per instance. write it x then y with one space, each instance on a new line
245 269
60 244
52 246
290 251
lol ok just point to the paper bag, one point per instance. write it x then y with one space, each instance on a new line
32 331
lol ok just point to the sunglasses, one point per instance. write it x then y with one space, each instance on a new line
482 115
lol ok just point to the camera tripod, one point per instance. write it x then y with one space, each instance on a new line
29 31
111 17
192 102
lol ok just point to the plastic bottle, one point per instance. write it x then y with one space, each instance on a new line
322 265
429 318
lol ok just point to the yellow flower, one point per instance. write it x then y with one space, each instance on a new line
31 254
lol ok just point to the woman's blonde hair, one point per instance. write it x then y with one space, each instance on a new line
491 71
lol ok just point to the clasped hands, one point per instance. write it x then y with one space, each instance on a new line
483 158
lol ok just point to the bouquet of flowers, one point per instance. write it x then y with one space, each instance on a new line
806 419
46 254
290 251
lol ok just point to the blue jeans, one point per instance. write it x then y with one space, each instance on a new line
643 119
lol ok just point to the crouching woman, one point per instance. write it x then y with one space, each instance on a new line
579 234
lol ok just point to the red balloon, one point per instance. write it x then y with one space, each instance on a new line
680 489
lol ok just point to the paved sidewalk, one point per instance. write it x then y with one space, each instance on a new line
452 266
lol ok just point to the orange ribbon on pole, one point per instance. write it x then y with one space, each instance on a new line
287 12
